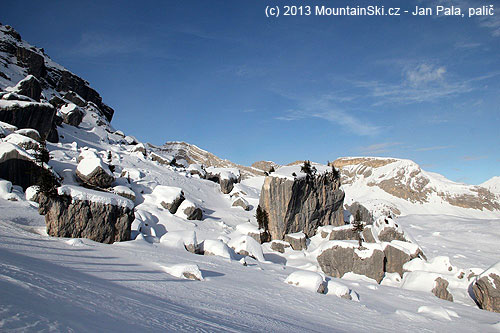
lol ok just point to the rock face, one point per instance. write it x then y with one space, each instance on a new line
301 204
38 116
396 257
441 291
487 291
240 202
365 214
296 240
193 213
98 176
29 87
104 223
279 246
339 260
344 233
17 166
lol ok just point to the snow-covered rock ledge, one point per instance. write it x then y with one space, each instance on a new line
78 212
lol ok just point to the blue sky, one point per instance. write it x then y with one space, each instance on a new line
221 75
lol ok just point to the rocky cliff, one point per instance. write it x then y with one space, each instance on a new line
301 203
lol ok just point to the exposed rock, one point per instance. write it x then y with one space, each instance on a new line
265 166
365 214
225 177
390 234
29 87
339 259
94 172
368 234
160 159
30 133
140 148
39 116
69 217
17 166
344 233
279 246
396 256
197 169
240 202
57 102
441 291
297 240
130 140
193 213
71 114
487 291
124 191
33 61
169 197
301 204
75 98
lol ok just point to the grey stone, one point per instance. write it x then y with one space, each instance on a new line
368 235
344 234
30 133
390 234
104 223
301 204
365 214
193 213
30 87
19 169
227 185
396 258
174 205
74 98
339 260
240 202
74 117
98 178
297 243
488 292
441 291
279 246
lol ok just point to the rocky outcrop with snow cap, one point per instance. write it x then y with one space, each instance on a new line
487 289
93 171
301 204
78 212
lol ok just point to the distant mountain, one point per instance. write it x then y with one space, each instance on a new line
401 186
185 154
492 184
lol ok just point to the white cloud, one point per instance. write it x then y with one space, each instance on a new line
433 148
379 148
323 108
424 74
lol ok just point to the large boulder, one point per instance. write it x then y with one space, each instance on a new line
398 253
487 289
17 165
29 87
345 232
226 177
440 289
301 204
190 211
339 258
24 114
297 241
92 171
77 212
71 114
168 197
364 213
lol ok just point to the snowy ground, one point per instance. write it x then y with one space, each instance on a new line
50 284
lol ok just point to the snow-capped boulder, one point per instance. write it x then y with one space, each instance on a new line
216 247
93 171
22 141
140 148
197 169
132 174
398 253
30 133
279 246
429 282
29 87
251 230
6 129
185 271
17 165
163 160
124 191
487 289
241 202
226 177
30 114
364 213
337 258
190 211
297 240
247 246
6 191
296 204
130 140
181 239
78 212
169 197
308 280
338 289
345 232
71 114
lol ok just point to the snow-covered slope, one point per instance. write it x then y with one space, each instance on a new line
492 184
402 187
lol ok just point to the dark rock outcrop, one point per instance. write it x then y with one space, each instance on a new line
75 99
240 202
344 233
97 178
193 213
301 204
39 116
338 260
487 292
365 214
29 87
67 217
19 169
396 257
390 234
297 241
174 205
